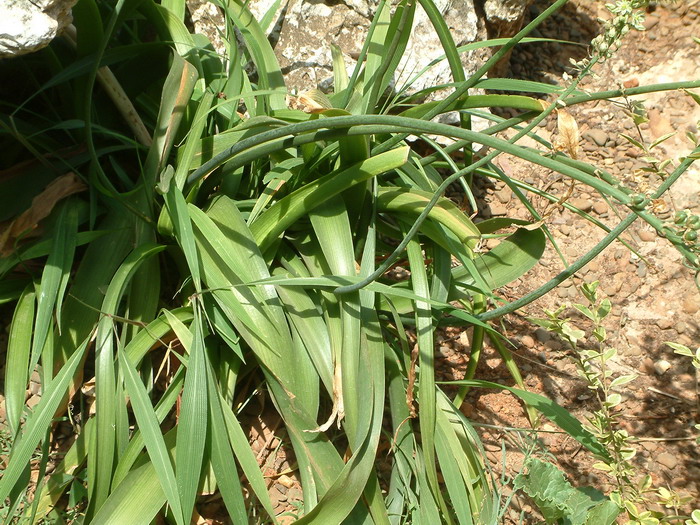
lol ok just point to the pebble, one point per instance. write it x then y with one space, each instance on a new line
33 401
661 367
542 335
276 497
600 207
295 494
498 209
633 350
650 22
527 341
631 83
584 205
286 481
647 236
596 135
667 460
504 195
691 303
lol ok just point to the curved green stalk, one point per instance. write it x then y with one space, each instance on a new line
604 243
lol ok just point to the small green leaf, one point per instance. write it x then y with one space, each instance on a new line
623 380
661 139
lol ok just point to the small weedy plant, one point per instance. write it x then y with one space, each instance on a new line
179 240
632 490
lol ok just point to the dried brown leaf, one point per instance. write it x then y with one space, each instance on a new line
41 207
568 133
312 101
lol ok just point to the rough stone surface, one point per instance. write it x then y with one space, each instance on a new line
303 32
27 26
505 17
667 460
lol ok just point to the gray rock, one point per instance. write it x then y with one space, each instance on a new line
596 135
504 18
667 460
305 30
29 25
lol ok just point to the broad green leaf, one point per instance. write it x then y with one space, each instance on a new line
54 278
413 201
18 354
101 468
222 459
269 73
153 439
37 424
286 211
192 424
177 208
139 497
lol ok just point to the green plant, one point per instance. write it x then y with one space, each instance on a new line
632 490
200 241
559 501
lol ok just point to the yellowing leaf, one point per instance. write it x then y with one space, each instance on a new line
568 133
311 101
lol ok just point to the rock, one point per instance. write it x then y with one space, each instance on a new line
467 409
527 341
504 195
34 387
661 367
295 494
642 270
584 205
658 124
600 207
542 335
306 30
33 401
647 236
276 497
498 209
631 83
596 135
650 22
647 366
26 26
691 302
667 460
504 18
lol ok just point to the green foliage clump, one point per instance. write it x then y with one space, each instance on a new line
204 244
